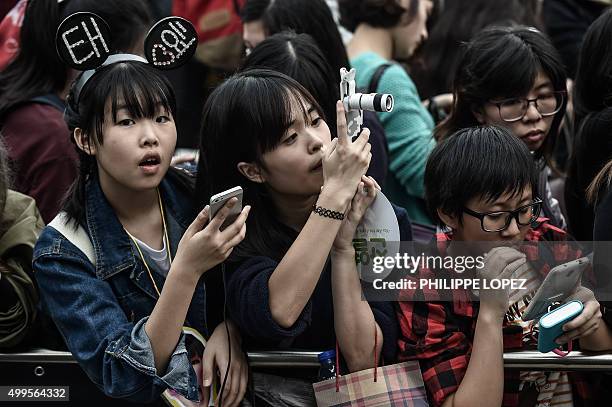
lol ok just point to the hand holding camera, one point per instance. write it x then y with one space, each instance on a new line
345 162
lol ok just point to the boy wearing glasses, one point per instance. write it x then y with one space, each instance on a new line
480 184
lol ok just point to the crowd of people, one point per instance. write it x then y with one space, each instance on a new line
497 137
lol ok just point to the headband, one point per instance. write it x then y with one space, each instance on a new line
83 42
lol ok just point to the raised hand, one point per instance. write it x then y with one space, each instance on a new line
203 245
344 162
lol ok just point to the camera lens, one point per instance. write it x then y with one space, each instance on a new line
383 102
389 103
375 102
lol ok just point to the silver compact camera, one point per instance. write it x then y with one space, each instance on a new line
355 103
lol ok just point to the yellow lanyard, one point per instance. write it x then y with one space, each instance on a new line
166 241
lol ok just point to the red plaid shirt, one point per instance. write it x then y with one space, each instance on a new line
440 334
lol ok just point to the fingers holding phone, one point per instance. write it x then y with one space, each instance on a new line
214 233
225 207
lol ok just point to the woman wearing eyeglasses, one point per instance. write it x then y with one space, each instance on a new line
513 77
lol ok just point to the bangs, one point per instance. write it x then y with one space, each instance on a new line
133 86
484 174
513 72
142 97
503 183
506 61
278 105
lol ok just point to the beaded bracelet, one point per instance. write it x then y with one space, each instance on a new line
327 213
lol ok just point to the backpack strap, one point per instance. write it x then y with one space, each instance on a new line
376 77
50 99
77 237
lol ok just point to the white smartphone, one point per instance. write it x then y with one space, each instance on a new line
218 201
559 284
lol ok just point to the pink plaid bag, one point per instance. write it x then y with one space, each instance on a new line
398 385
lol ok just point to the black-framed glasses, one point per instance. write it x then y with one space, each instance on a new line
514 109
497 221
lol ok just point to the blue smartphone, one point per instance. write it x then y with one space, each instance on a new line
551 324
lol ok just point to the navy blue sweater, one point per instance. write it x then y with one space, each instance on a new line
248 304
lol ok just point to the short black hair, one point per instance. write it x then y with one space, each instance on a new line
477 162
377 13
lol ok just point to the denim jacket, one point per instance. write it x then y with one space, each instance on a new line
101 311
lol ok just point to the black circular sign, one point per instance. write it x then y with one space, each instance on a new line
170 43
83 41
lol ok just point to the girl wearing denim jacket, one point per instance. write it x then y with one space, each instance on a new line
122 314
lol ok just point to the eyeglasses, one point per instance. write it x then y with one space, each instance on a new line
500 220
514 109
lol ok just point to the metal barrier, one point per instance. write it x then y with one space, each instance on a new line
575 361
523 360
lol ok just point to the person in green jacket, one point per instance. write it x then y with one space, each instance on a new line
20 225
384 32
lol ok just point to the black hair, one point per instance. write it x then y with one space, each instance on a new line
593 87
297 56
593 101
244 118
253 10
140 87
477 162
434 64
37 69
503 62
377 13
311 17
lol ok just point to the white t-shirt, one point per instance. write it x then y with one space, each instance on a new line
160 257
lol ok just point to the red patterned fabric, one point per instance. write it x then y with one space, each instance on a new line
9 33
219 30
196 11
